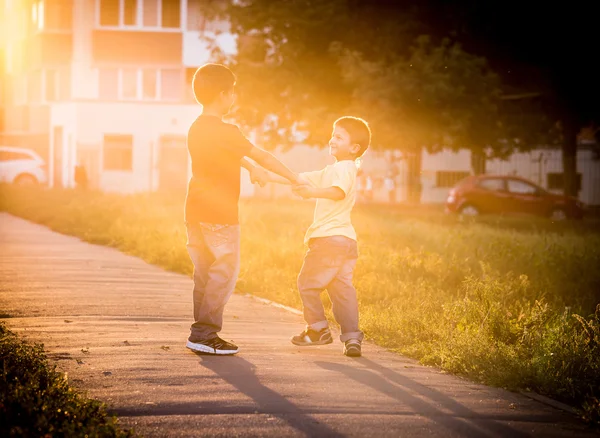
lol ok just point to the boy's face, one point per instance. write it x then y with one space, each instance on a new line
227 99
341 146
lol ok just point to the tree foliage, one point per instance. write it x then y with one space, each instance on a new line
308 62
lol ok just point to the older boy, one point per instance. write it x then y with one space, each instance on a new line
211 208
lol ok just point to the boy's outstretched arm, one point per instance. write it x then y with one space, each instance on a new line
269 162
257 174
272 178
247 165
334 193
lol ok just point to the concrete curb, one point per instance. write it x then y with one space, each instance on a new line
274 304
548 401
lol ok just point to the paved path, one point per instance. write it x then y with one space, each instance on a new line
118 326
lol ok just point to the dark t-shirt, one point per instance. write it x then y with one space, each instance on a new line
216 149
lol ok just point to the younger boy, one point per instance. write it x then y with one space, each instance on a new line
217 150
332 248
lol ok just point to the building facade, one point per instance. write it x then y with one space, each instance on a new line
105 84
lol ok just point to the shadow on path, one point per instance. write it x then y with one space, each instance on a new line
461 420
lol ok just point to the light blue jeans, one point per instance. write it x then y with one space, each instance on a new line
329 264
215 253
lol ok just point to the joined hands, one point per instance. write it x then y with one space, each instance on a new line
303 190
259 176
300 187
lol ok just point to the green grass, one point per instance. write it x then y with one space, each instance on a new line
36 400
504 301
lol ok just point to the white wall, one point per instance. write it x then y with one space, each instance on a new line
445 160
534 165
65 115
146 123
589 167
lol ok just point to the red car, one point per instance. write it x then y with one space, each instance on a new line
481 194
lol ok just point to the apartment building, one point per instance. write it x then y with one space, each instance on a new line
105 84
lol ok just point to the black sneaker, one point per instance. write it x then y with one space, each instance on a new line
352 348
313 337
213 346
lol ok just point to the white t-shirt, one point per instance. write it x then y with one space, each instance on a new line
332 218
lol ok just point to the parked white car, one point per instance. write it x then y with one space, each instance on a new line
21 166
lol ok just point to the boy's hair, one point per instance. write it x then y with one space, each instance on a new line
359 130
210 80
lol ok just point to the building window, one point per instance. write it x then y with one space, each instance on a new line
171 14
555 181
39 86
129 84
51 85
117 13
448 179
118 152
171 82
151 13
108 83
110 10
139 14
140 84
149 84
129 12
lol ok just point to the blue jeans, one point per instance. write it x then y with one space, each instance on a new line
215 253
329 264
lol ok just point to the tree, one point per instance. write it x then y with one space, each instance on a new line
286 65
545 49
307 62
437 96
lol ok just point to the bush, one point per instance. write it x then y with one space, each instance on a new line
36 400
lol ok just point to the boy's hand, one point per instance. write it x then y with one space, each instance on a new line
302 190
259 176
299 181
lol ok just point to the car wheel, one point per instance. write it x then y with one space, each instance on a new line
469 210
558 214
26 180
